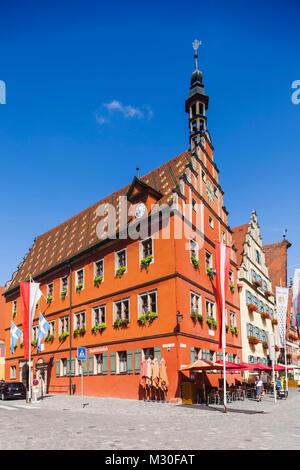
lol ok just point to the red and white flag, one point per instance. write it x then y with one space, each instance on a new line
30 295
222 279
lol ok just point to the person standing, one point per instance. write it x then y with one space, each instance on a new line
258 385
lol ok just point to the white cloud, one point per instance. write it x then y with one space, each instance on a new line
127 111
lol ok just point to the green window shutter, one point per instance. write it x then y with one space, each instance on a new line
192 355
91 365
85 367
137 361
157 353
112 363
57 367
105 364
72 366
129 362
248 297
68 367
248 330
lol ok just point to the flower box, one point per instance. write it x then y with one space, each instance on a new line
121 323
79 287
14 313
49 338
22 345
142 320
234 330
277 348
274 321
195 262
120 271
63 336
49 299
146 261
265 315
232 287
253 340
196 316
79 332
257 284
63 294
97 328
265 344
34 343
211 323
151 316
268 293
98 280
252 308
210 272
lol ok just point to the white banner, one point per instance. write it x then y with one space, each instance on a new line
282 295
271 346
296 297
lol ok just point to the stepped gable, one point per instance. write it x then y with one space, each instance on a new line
239 238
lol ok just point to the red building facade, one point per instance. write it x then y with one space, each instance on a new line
125 294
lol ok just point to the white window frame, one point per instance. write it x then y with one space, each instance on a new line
48 290
62 286
96 363
141 249
77 280
210 259
117 259
95 268
82 320
192 241
140 304
13 372
213 304
63 367
118 371
98 307
14 306
199 301
122 308
62 321
211 221
34 333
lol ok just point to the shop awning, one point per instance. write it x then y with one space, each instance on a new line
202 364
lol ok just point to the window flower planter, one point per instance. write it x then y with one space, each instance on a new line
79 287
34 343
49 338
274 321
49 299
142 320
253 340
121 323
232 287
37 305
265 315
120 271
146 261
210 272
252 308
265 344
63 294
234 330
97 328
196 316
211 323
79 332
14 313
277 348
22 345
195 262
268 293
98 280
151 316
257 283
15 346
226 327
64 335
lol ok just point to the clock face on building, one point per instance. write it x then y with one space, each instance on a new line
140 210
210 191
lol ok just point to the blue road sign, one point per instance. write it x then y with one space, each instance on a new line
81 354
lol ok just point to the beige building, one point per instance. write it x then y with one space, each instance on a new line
257 304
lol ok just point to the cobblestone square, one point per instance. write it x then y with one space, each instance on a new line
62 423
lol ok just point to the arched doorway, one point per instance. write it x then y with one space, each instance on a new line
24 373
41 375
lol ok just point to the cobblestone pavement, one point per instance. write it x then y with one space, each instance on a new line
61 422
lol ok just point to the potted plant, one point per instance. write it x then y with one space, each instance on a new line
146 261
98 280
34 343
63 336
49 338
231 287
196 316
79 287
252 308
265 344
268 293
265 315
49 299
257 283
14 313
210 272
234 330
277 348
142 320
253 340
274 321
151 316
195 262
63 294
120 271
79 331
211 323
121 322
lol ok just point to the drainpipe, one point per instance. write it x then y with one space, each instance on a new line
70 328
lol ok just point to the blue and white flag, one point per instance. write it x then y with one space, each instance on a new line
15 334
43 330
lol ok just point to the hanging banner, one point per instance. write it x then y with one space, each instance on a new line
282 295
296 297
271 346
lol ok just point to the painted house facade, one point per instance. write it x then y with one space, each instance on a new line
132 278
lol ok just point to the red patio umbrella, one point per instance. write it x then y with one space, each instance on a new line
231 366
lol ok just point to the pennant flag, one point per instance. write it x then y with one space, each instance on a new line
296 297
222 280
30 295
282 295
43 329
15 334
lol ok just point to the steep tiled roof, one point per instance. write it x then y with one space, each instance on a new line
238 238
79 233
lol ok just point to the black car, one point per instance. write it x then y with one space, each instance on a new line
12 390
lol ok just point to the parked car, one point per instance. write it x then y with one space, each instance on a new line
12 390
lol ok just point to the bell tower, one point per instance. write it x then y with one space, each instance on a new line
196 104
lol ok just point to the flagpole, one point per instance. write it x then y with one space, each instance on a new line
224 363
285 360
29 354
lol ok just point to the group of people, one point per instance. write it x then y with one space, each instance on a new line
259 386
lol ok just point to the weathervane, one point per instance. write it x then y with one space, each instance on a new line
196 44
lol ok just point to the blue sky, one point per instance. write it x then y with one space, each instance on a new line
96 88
